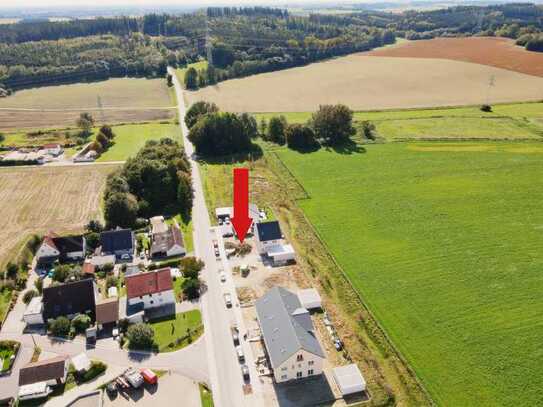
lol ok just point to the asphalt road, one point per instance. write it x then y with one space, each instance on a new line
223 366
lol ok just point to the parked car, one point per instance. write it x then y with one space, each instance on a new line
228 300
134 378
235 335
245 372
223 277
126 257
338 344
239 352
111 389
142 255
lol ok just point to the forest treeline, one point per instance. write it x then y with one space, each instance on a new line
242 40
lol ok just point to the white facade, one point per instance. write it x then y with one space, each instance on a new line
281 254
300 365
154 300
46 251
264 247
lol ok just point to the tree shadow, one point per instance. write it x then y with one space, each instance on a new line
308 149
254 153
347 148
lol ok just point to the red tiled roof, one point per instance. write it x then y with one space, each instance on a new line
88 268
148 283
51 145
107 311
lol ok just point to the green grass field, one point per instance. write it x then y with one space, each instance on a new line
131 138
167 331
507 121
443 242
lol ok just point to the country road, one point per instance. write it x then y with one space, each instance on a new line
223 366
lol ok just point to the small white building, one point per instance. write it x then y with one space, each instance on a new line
310 298
34 391
33 314
289 336
158 225
65 248
281 254
52 149
349 379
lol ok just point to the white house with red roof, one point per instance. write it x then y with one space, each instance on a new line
53 149
65 248
150 291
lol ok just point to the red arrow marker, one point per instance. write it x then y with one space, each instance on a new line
241 220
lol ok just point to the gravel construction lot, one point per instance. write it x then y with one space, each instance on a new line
497 52
370 83
35 200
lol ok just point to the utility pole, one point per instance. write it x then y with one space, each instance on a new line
208 42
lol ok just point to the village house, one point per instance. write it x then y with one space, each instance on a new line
289 336
53 149
36 379
66 248
269 242
78 297
107 313
166 240
150 292
119 242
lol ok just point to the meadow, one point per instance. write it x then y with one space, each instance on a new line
506 121
372 83
36 200
129 139
112 101
442 241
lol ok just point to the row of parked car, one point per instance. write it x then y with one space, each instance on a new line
239 352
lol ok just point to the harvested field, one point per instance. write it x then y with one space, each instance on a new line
370 83
35 200
496 52
112 101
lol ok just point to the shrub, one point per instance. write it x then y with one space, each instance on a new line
367 129
39 285
11 270
141 336
191 266
197 111
111 281
191 288
107 268
81 322
333 124
300 137
60 326
28 295
486 108
96 369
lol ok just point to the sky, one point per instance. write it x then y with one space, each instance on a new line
136 3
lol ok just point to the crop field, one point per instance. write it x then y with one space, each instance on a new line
505 122
129 139
372 83
36 200
442 240
111 101
492 51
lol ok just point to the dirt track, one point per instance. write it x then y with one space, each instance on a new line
497 52
35 200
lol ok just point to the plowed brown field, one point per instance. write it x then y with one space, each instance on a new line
497 52
35 200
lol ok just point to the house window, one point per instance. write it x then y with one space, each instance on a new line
310 372
300 357
284 377
311 363
298 375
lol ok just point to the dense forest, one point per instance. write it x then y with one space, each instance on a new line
238 41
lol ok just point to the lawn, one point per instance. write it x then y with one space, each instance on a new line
5 298
506 121
131 138
206 396
442 240
171 334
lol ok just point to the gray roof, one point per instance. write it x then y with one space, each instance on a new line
269 231
286 326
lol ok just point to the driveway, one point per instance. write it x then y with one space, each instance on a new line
172 389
